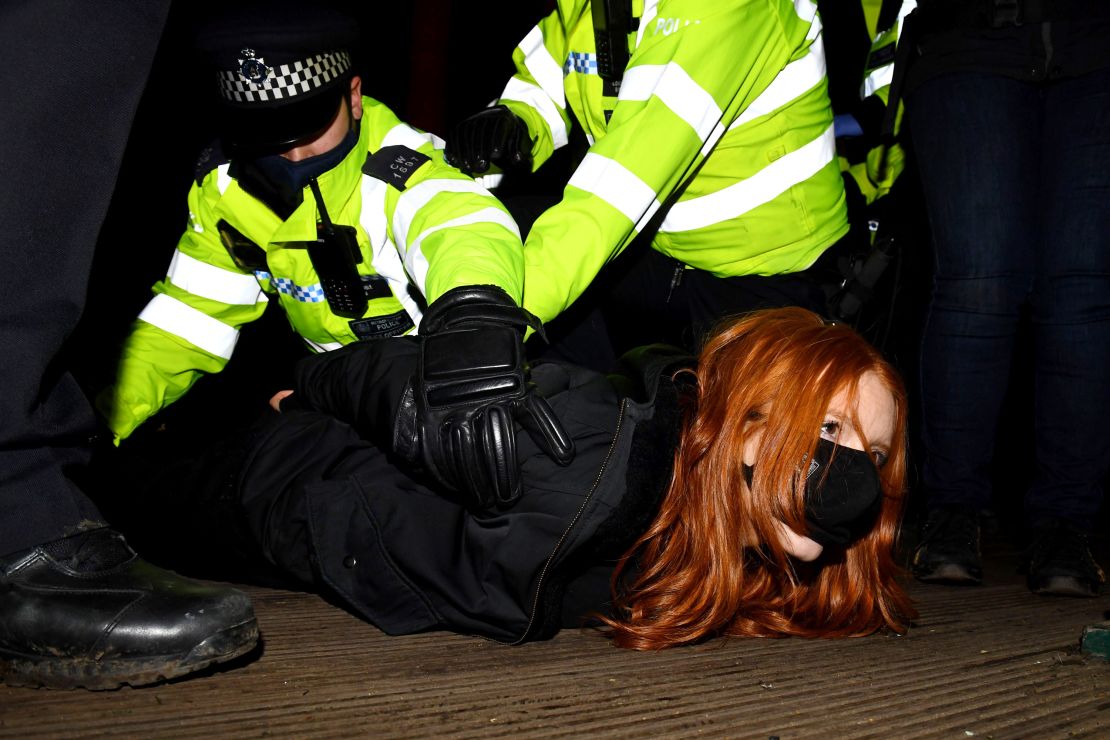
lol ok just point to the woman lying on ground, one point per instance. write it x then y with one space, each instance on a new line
757 492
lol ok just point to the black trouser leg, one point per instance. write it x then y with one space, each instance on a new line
78 70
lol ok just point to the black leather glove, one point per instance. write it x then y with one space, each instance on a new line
491 136
473 382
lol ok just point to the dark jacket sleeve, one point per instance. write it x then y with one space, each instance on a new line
363 384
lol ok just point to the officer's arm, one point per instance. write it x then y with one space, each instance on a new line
448 400
535 92
450 231
472 387
188 329
530 119
678 95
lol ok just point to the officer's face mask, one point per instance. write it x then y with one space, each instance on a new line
287 176
279 182
843 494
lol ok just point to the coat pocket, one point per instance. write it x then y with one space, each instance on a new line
352 560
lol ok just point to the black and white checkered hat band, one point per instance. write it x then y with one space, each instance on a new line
284 81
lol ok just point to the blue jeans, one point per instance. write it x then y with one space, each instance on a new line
1016 178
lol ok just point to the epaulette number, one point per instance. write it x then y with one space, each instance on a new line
394 165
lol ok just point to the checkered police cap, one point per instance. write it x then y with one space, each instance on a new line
281 68
254 81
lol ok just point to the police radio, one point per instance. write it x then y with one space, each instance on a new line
334 255
612 23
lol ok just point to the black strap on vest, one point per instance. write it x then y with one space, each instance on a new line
907 42
888 14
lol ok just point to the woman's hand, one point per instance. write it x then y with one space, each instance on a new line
277 398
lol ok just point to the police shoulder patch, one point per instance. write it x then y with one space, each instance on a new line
394 165
210 158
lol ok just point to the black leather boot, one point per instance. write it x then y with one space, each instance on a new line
86 611
1059 562
949 549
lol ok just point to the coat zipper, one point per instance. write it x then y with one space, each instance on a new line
573 522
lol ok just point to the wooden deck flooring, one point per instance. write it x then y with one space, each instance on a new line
994 661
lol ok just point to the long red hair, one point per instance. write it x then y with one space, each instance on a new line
711 563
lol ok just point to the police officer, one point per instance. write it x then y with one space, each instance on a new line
322 200
77 606
725 162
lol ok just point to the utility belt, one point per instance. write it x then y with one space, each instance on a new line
949 15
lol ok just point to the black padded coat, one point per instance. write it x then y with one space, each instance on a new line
330 504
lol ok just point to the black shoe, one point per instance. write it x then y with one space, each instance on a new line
949 548
1059 561
86 611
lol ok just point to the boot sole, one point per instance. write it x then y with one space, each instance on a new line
81 673
1063 586
950 574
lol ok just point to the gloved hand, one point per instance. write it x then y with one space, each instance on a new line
491 136
472 383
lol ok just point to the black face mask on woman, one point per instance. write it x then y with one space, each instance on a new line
843 494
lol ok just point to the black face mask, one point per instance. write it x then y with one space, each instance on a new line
280 183
295 175
841 504
843 494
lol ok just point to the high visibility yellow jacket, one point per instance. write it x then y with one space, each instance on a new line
728 97
875 175
430 229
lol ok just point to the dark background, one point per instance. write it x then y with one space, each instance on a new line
433 62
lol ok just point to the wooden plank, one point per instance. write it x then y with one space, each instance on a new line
993 661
